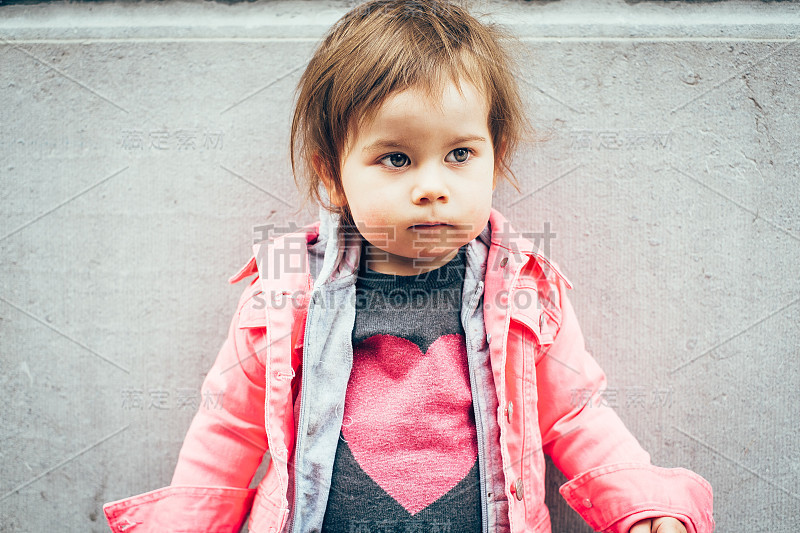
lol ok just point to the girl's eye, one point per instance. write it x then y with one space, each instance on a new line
459 155
395 160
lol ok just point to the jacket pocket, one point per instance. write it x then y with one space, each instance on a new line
528 310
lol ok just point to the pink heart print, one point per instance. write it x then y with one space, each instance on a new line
408 416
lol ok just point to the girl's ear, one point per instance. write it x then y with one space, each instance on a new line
336 196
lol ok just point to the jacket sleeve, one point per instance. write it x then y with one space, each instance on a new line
612 484
223 447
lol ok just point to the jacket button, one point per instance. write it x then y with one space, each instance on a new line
517 489
587 503
488 337
504 261
510 411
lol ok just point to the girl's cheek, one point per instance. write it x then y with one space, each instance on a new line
372 225
376 217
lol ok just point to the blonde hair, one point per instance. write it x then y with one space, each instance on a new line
386 46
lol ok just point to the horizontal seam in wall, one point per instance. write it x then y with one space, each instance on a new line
89 40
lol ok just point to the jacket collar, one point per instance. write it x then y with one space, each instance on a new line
336 251
519 250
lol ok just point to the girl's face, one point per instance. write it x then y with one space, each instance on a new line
419 177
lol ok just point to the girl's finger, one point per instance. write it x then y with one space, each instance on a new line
668 525
642 526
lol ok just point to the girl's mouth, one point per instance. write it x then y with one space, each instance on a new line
430 226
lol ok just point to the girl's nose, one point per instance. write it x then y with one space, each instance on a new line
429 187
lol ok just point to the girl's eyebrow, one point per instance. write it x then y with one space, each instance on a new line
389 144
382 144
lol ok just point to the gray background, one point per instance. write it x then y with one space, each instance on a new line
141 143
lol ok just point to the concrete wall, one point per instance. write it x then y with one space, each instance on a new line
141 143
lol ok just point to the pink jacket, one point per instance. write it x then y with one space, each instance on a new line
538 361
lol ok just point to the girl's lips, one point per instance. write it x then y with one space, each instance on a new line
431 225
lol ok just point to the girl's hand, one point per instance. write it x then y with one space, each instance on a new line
658 525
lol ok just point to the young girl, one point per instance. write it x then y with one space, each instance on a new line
409 359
